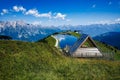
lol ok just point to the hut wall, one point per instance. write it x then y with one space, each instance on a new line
87 52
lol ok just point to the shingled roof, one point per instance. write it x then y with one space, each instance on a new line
81 41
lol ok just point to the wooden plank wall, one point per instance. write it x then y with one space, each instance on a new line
87 52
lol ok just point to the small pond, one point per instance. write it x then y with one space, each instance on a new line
65 40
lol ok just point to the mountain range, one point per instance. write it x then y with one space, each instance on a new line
94 29
20 30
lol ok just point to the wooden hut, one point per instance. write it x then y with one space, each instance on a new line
85 47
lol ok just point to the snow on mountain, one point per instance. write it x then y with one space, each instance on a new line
20 30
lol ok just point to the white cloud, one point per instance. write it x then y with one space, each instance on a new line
46 15
106 21
94 5
60 16
117 20
19 8
100 22
37 23
4 11
35 13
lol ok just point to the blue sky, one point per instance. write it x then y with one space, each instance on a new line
61 12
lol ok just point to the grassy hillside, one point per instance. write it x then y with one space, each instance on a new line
108 49
42 61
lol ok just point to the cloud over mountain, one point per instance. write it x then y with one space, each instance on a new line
19 8
60 16
4 11
34 12
117 20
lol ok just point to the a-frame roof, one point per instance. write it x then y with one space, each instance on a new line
80 42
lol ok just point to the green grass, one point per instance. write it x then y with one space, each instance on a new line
42 61
74 34
70 33
107 48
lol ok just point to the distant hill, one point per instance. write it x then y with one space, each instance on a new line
111 38
42 61
4 37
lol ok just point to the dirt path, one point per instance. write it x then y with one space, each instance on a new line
56 44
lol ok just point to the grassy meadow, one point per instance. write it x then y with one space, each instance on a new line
42 61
